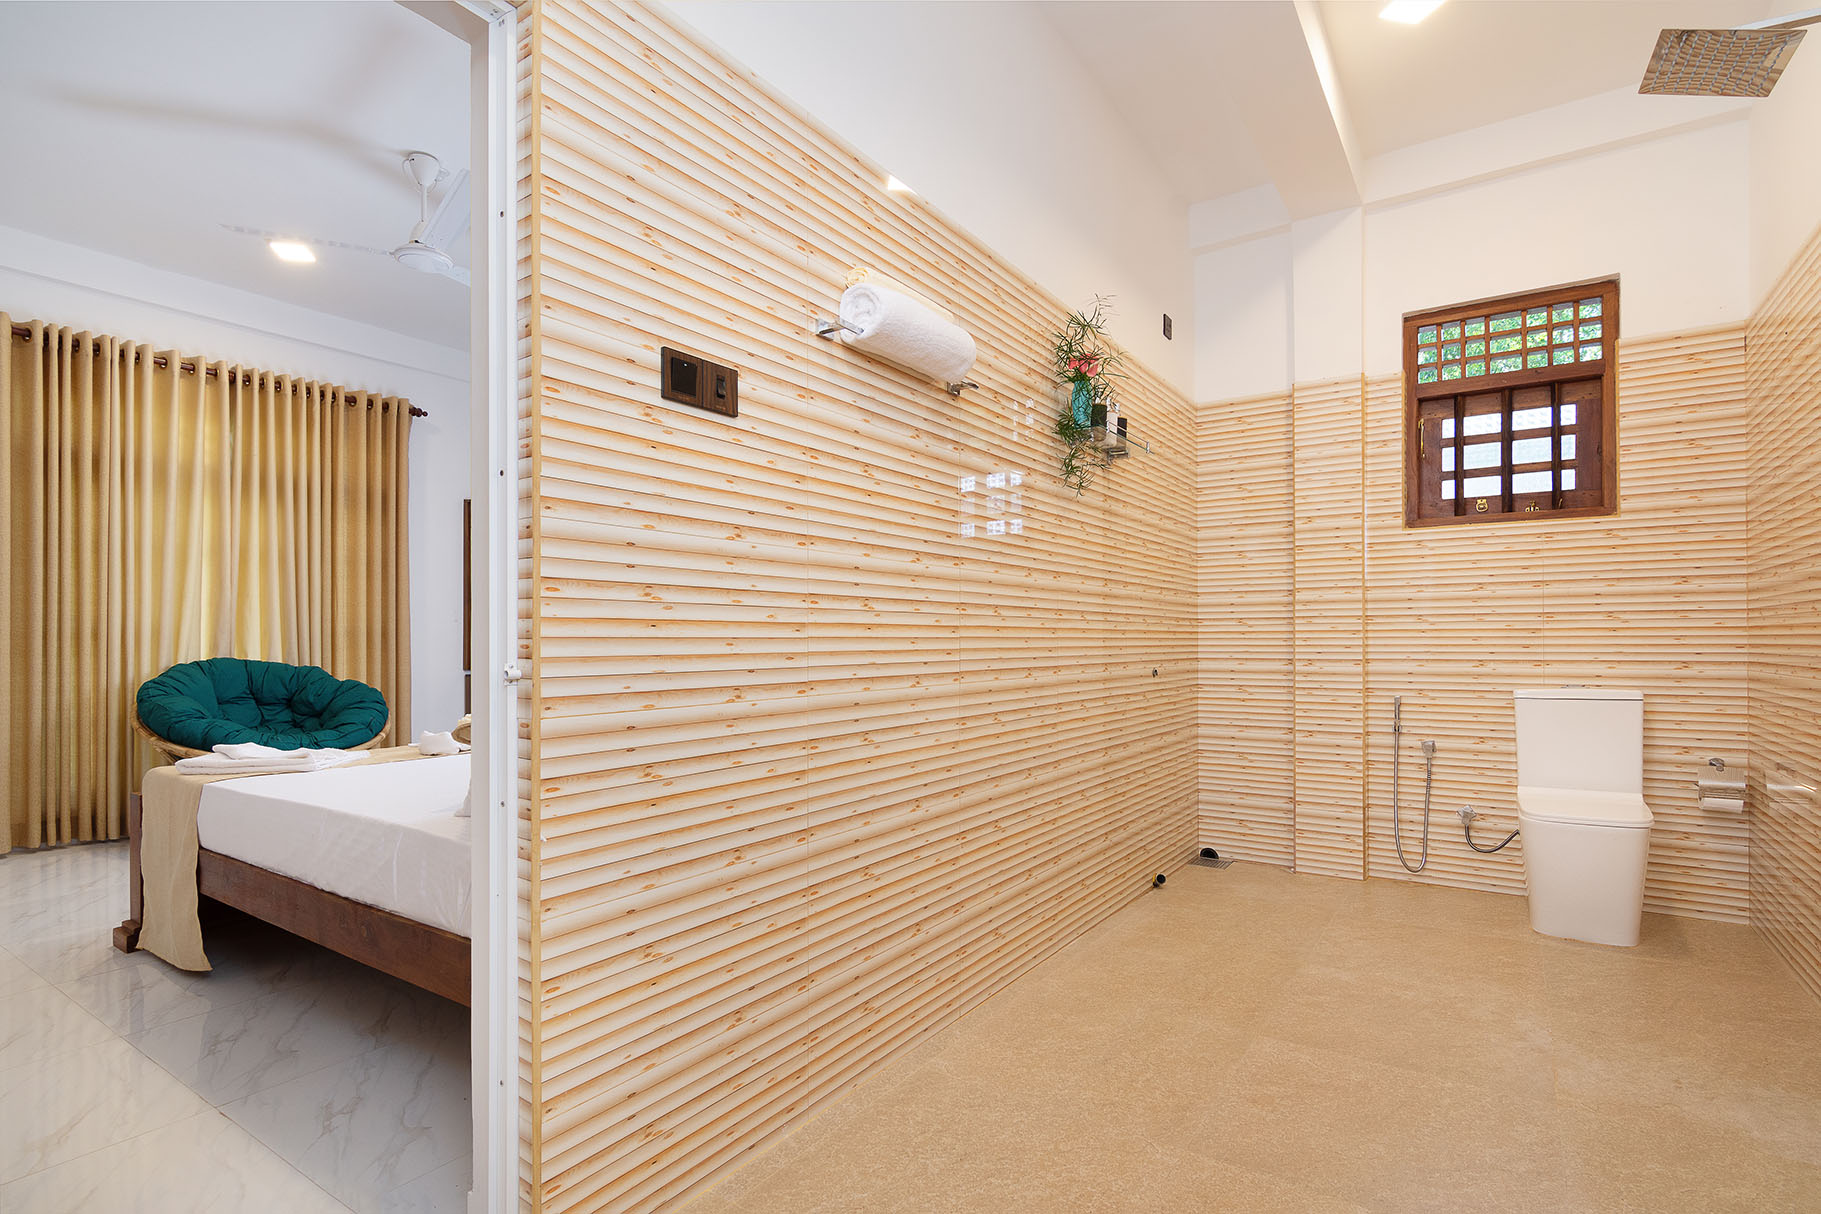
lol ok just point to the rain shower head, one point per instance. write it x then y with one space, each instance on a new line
1742 62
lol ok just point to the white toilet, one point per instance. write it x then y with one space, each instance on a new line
1586 829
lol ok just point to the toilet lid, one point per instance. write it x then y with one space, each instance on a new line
1581 808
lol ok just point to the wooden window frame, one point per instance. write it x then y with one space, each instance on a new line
1604 369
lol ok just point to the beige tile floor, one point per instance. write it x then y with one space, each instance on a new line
1251 1040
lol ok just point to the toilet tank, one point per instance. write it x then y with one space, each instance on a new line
1580 737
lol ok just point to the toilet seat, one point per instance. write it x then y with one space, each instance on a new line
1580 807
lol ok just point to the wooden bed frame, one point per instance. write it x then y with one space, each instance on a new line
425 956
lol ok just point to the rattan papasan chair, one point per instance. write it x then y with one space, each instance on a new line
195 706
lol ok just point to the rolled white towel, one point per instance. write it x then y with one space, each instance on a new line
901 329
429 743
872 277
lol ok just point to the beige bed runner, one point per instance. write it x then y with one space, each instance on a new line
168 926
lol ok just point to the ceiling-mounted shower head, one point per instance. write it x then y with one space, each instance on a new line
1742 62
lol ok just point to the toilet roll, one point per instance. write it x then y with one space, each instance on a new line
1722 794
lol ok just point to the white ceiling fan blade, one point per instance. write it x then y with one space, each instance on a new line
458 273
450 219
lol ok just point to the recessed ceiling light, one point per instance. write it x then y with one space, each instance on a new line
293 250
896 186
1408 12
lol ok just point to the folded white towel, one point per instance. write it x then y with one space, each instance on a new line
437 744
901 329
257 750
252 759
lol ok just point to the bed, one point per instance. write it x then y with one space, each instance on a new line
370 861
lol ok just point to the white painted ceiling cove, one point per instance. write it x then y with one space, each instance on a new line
1226 95
141 129
1475 62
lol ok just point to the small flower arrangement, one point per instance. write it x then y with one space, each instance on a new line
1086 361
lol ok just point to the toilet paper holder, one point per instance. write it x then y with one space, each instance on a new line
1721 792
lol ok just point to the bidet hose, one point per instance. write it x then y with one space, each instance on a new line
1397 840
1467 829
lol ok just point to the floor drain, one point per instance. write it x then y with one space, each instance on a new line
1210 862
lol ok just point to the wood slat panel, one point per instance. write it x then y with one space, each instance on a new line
1783 368
1328 606
817 761
1243 694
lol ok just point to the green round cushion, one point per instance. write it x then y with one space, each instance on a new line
203 704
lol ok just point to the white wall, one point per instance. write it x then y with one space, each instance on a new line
47 280
1786 167
1242 319
986 112
1669 212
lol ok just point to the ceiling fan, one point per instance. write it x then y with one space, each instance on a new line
426 249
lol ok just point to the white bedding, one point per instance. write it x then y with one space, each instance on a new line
385 834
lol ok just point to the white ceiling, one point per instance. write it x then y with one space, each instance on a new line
1479 61
1226 95
139 129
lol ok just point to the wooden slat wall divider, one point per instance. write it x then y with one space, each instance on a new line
528 388
1783 362
1243 698
813 770
1455 618
1328 613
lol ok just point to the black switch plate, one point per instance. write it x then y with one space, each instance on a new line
690 379
1169 328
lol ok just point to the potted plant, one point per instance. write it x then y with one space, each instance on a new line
1087 364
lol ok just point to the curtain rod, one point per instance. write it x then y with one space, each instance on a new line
24 333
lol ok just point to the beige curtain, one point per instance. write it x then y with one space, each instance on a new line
154 511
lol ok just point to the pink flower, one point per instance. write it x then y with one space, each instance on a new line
1088 368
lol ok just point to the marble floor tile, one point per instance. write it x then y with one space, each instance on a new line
16 975
361 1079
62 956
228 1053
370 1125
77 875
62 1105
42 1020
442 1191
203 1164
250 959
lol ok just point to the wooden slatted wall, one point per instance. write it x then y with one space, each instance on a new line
1328 604
1454 619
817 770
1243 701
1784 368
